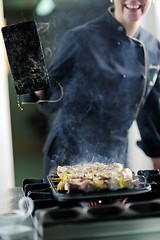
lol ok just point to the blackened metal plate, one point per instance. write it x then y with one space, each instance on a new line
25 56
82 196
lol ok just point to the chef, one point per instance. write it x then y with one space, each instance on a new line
104 75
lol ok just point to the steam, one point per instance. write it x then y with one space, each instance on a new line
85 130
45 31
78 133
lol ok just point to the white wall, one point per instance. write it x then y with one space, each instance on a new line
136 158
152 20
6 156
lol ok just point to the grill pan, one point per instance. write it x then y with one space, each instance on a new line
76 195
25 56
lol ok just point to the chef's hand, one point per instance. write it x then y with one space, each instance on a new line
156 163
38 93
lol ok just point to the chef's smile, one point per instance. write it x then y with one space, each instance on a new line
133 10
139 7
132 7
130 12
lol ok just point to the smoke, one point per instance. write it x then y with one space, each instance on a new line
83 137
85 130
45 31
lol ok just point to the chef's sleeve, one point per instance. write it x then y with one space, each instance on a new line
149 123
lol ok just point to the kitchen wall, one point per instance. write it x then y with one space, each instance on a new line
6 154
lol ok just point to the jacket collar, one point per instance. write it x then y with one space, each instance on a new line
117 26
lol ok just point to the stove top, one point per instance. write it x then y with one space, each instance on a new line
94 218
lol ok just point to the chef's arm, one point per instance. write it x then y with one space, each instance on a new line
148 122
156 162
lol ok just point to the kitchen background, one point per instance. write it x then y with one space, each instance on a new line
29 127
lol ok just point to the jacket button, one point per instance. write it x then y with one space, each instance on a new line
118 43
120 28
136 105
124 76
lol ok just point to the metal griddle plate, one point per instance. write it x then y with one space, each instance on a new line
76 195
25 56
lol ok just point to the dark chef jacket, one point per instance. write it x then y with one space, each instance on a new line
107 80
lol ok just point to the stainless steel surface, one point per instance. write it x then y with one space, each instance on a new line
151 236
131 229
137 229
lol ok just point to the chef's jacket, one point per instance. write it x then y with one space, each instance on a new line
101 80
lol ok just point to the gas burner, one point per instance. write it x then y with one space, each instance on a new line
103 202
42 195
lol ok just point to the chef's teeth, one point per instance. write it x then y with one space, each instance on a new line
133 6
